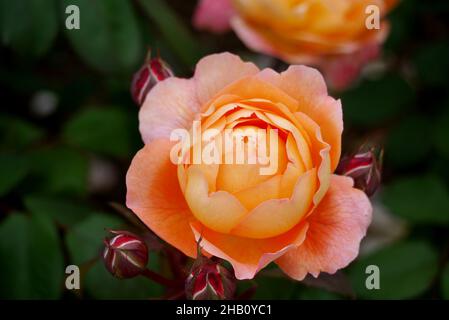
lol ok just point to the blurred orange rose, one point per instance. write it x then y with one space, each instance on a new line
331 34
301 216
307 31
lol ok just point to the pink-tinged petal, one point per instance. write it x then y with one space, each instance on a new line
170 105
336 228
248 256
251 38
303 83
214 72
254 40
342 71
213 15
308 87
154 195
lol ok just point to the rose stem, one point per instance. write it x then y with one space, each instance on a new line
160 279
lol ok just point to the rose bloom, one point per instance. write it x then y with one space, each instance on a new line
302 217
331 34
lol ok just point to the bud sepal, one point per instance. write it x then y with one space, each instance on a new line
152 72
125 255
209 280
365 168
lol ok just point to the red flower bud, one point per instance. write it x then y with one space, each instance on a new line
209 280
153 71
365 168
125 255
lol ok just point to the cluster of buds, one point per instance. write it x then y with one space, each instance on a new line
153 71
365 168
125 255
209 280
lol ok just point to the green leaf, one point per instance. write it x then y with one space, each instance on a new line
400 20
374 102
308 293
432 64
12 170
274 288
420 199
63 211
445 282
14 242
60 170
109 38
408 142
32 261
85 240
16 133
46 258
441 133
435 6
406 271
104 130
28 26
100 284
175 33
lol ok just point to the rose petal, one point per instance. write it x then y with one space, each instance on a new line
308 87
213 15
170 105
276 216
320 150
154 195
248 256
336 228
219 211
236 177
216 71
251 38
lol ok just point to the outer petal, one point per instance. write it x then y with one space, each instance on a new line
216 71
307 85
341 71
248 256
336 228
213 15
295 51
171 104
153 193
251 38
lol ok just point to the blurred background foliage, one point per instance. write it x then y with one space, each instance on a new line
69 129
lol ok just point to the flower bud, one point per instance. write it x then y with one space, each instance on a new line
125 255
210 281
153 71
365 168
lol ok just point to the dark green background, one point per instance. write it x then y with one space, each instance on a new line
61 169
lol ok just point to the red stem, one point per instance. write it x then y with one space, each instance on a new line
160 279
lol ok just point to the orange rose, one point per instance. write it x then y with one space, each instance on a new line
308 31
300 215
330 34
